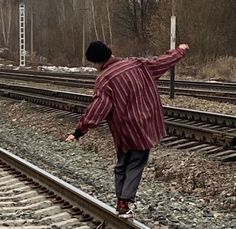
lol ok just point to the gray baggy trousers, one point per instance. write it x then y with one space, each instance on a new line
128 173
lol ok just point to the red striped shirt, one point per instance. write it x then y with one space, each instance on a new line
126 95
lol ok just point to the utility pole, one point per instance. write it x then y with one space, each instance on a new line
22 32
84 33
172 46
31 33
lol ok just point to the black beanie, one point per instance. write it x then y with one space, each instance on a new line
98 52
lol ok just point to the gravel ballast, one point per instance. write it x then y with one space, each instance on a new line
178 190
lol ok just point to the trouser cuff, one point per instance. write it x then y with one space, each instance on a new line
127 199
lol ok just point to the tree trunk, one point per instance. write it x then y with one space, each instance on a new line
94 21
3 24
109 22
9 23
103 32
7 15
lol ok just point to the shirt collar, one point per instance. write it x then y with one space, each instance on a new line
109 62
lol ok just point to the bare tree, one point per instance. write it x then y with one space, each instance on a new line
94 21
6 17
109 21
132 27
103 31
207 26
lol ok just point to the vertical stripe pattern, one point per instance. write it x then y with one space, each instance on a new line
126 96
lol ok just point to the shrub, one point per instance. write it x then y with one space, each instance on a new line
222 69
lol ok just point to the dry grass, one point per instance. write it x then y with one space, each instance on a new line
195 175
222 69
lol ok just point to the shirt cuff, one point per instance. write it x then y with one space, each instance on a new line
181 51
77 134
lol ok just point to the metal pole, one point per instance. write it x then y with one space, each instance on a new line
32 34
84 31
172 46
22 32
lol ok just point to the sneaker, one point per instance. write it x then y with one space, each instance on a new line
127 215
123 209
122 206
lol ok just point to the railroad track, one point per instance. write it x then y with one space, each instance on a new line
34 199
211 133
222 92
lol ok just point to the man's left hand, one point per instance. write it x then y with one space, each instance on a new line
184 46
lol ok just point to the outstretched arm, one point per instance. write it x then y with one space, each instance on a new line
97 111
157 66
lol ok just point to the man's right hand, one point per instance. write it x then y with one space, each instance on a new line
70 138
184 46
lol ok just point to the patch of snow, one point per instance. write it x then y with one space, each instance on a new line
66 69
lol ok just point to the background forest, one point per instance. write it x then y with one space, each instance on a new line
58 31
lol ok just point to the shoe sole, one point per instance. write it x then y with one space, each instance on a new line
126 216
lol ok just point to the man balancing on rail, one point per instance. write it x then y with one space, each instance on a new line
127 97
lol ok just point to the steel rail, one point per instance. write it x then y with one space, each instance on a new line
56 79
76 103
75 75
73 195
190 114
201 134
202 84
90 77
227 97
201 116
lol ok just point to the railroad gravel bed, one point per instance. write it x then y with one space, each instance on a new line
179 189
179 101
